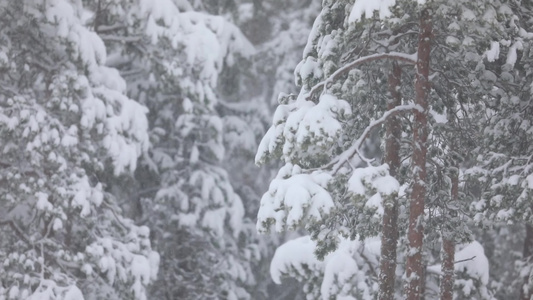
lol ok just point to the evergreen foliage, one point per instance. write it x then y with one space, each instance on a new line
398 151
336 191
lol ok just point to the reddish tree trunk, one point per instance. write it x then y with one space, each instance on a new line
448 250
389 231
414 266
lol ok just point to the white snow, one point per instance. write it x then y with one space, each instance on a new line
295 253
206 41
86 196
292 197
478 267
42 202
154 259
313 36
511 55
73 293
494 52
49 290
441 118
344 272
129 261
13 292
468 14
309 68
470 259
529 180
375 201
214 220
58 224
367 7
236 215
140 269
304 125
377 178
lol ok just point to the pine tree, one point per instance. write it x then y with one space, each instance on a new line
299 131
324 163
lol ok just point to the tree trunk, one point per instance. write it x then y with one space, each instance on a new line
448 250
414 266
525 292
389 231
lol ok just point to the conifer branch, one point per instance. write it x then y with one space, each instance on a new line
466 259
339 161
402 57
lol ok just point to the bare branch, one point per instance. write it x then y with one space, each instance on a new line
463 260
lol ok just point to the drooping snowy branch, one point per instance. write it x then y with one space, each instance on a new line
343 274
302 128
293 197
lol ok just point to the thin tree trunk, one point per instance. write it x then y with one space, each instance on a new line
389 231
448 249
525 292
414 266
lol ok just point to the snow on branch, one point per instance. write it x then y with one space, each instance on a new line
366 8
337 163
398 56
375 178
344 273
304 127
293 197
471 260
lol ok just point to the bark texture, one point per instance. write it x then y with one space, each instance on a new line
414 266
389 231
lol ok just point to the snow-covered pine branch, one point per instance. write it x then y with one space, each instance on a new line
396 56
342 158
